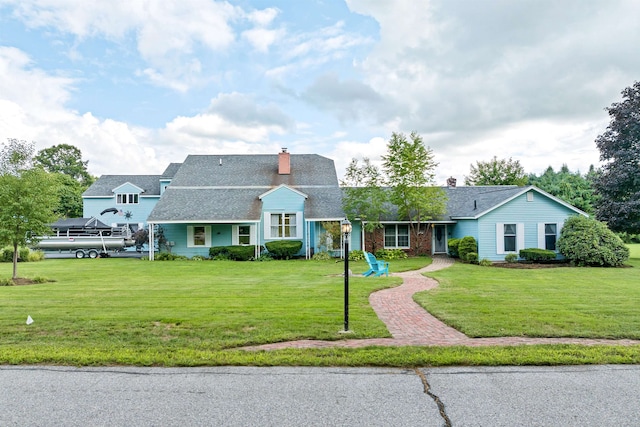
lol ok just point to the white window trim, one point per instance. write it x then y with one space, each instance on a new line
396 246
500 237
235 234
299 225
125 196
207 236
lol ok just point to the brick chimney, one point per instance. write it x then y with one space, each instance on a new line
451 182
284 162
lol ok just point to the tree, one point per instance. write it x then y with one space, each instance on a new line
618 184
572 187
364 198
410 169
65 162
496 172
65 159
27 198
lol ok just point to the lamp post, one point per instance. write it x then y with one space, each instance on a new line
345 227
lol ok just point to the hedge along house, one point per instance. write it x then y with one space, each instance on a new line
222 200
502 219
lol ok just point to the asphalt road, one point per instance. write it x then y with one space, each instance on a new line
246 396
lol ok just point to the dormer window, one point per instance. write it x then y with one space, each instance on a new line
126 198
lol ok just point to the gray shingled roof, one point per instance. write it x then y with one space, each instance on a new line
466 202
254 170
191 204
103 186
171 170
227 187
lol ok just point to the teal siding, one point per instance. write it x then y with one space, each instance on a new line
139 212
519 211
464 228
284 200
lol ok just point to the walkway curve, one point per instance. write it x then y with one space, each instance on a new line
412 325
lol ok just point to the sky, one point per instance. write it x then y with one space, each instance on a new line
139 84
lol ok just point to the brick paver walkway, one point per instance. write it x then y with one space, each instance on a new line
410 324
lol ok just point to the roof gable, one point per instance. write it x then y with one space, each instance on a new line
128 187
282 187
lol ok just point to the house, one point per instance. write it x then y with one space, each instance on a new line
502 219
221 200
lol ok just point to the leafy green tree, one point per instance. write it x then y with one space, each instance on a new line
496 172
618 185
364 198
65 162
572 187
69 196
410 169
65 159
27 198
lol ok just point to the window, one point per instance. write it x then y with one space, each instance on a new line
198 236
509 237
550 233
396 236
244 234
126 198
283 225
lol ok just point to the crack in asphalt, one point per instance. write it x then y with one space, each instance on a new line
439 403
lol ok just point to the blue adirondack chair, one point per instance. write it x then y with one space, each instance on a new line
376 267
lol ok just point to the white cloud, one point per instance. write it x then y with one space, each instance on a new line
168 33
475 77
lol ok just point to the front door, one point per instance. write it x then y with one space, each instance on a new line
439 239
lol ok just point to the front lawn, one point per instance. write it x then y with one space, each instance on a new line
584 302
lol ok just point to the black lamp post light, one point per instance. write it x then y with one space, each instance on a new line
345 228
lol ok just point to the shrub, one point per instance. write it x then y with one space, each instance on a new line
472 257
356 255
484 262
390 254
40 279
511 258
321 256
466 246
197 258
453 247
7 254
233 253
537 255
284 249
586 241
35 256
168 256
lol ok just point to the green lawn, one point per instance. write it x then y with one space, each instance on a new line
142 306
552 302
188 313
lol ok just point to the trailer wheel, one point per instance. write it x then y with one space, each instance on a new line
93 254
79 254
